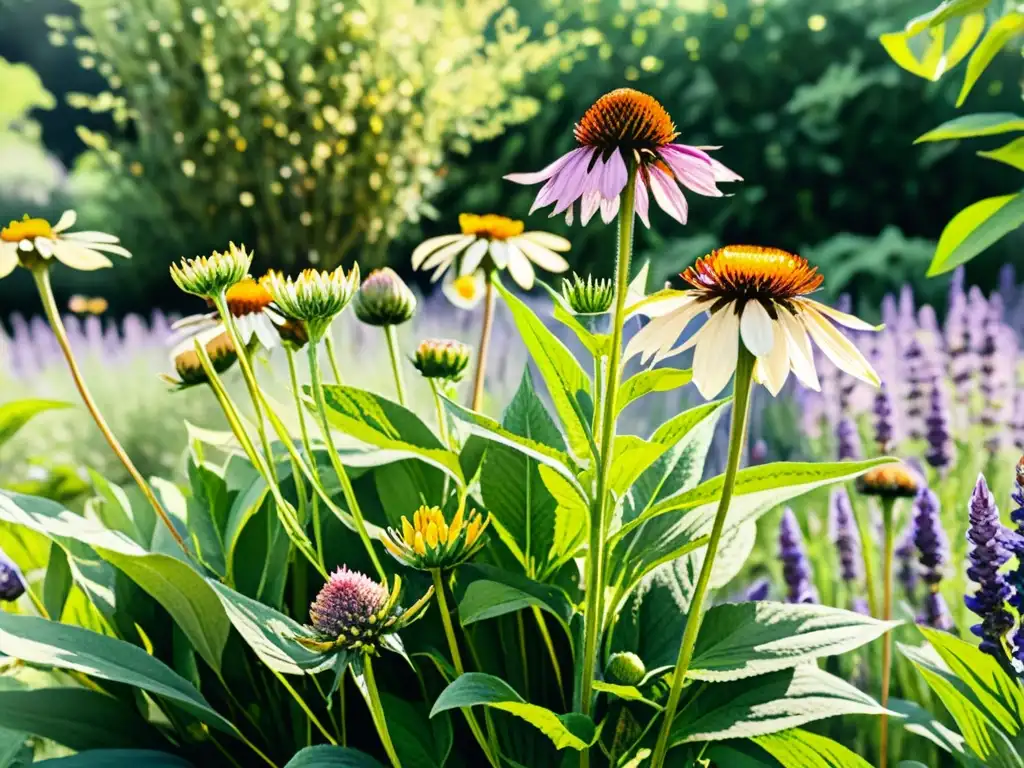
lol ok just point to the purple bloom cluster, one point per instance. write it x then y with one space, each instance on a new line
939 453
988 555
905 554
883 419
848 446
796 568
916 377
1016 577
12 583
933 548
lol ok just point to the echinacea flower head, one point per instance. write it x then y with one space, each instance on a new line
315 297
758 297
209 276
384 299
33 242
441 359
429 541
465 291
621 128
625 668
889 481
189 369
12 582
250 305
492 242
353 612
588 297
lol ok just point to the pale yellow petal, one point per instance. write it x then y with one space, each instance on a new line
519 268
842 318
431 245
8 258
756 329
774 367
548 240
473 256
801 356
543 257
79 257
837 348
67 219
714 359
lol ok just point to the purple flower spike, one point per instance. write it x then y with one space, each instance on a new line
1016 577
905 552
933 549
988 554
848 446
12 583
883 419
936 613
917 381
844 533
796 568
937 429
759 590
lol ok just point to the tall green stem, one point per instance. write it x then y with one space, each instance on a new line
42 279
391 333
595 553
453 648
442 422
339 469
737 439
332 358
377 711
890 542
300 411
485 343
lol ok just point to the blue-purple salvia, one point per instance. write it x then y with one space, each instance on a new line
883 419
844 534
939 453
933 552
915 391
757 591
905 555
848 446
1016 577
988 554
796 568
12 582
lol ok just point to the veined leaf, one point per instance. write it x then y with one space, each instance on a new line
651 380
980 124
974 229
797 748
118 758
324 756
373 419
739 640
208 507
16 414
624 692
567 382
997 36
1011 154
631 458
573 730
571 517
484 592
779 701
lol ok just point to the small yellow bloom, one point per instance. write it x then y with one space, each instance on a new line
429 541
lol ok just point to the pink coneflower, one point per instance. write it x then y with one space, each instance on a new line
623 124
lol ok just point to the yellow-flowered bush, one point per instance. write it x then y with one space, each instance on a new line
315 127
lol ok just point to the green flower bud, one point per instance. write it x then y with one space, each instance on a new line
209 276
590 297
441 359
384 299
625 668
314 297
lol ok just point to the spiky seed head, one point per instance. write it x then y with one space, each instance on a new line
588 297
209 276
384 299
441 359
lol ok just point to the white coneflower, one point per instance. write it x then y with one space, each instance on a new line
465 291
758 296
250 305
22 241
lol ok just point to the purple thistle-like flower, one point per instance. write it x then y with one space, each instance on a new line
12 582
939 453
796 568
988 554
883 419
848 446
844 534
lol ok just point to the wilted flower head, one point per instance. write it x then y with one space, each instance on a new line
988 554
758 296
889 481
353 612
429 541
492 242
796 568
625 668
33 242
626 127
186 361
384 299
588 297
209 276
441 359
315 297
12 582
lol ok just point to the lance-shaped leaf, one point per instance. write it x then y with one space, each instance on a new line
651 380
484 592
801 748
998 35
970 126
17 413
974 229
571 517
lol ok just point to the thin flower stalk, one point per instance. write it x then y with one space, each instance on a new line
307 446
332 358
377 711
480 376
391 335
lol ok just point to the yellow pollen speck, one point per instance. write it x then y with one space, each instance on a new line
26 229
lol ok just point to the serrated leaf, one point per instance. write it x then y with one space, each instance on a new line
974 229
651 380
997 36
979 124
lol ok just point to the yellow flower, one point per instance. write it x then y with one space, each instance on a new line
757 296
29 240
429 541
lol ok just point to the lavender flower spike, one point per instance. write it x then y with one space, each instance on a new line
988 554
933 548
905 554
1016 577
883 419
937 429
847 440
796 568
844 533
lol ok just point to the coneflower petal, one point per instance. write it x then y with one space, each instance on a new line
667 195
520 269
801 356
431 245
614 176
545 259
473 257
642 202
692 168
756 329
544 173
837 348
714 359
608 209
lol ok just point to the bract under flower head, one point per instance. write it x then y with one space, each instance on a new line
32 242
209 276
315 297
889 481
429 541
441 359
384 299
588 297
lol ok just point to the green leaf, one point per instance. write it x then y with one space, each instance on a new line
921 48
420 742
331 757
118 758
739 640
595 344
651 380
631 458
112 507
78 718
208 508
1011 154
182 591
974 229
373 419
567 382
778 701
801 749
571 517
998 35
405 486
979 124
58 582
522 509
574 731
16 414
919 721
484 592
624 692
47 643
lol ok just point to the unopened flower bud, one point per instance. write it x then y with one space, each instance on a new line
588 297
384 299
429 541
625 668
187 364
441 359
209 276
314 297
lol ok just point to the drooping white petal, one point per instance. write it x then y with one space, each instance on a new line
608 209
773 368
67 219
430 245
460 299
667 195
655 338
26 245
89 236
837 348
499 253
106 248
714 359
473 256
542 257
265 331
44 246
661 303
756 329
589 205
8 258
850 321
520 269
79 257
544 173
443 257
801 356
548 240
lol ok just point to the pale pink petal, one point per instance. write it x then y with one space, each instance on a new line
692 168
722 173
572 181
545 173
615 176
608 209
568 217
642 202
667 195
588 206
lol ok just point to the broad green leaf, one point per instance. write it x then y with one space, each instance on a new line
571 517
76 717
208 507
777 702
624 692
631 458
567 382
421 742
58 582
270 634
113 509
16 414
47 643
998 35
522 509
331 757
182 591
797 748
405 486
373 419
1011 154
651 380
919 721
979 124
573 731
119 758
974 229
740 640
484 592
924 52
